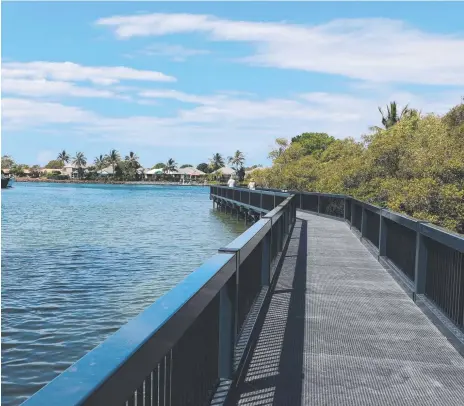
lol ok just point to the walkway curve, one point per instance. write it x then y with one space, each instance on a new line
340 331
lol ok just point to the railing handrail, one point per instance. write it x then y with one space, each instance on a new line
400 218
148 336
112 370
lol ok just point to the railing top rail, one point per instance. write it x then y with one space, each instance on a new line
402 219
442 236
275 213
266 192
247 241
323 194
111 371
372 207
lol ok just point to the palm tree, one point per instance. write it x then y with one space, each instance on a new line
237 160
133 160
391 118
100 162
171 166
80 161
113 158
63 157
216 162
132 164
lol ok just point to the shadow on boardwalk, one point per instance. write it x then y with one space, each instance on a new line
273 374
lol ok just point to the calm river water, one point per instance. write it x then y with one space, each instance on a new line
78 261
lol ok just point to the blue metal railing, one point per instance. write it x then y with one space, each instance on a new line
178 350
430 259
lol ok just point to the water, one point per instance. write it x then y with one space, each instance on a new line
79 261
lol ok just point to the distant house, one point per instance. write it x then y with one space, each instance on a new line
224 173
72 170
106 171
247 173
46 171
150 174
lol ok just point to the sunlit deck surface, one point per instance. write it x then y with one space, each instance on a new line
340 330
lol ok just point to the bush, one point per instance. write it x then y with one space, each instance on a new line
415 167
56 176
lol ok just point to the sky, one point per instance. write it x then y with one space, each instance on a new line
186 80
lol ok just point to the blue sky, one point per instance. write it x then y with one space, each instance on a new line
186 80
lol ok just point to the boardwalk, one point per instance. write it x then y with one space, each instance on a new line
340 331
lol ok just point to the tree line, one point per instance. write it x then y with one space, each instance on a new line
413 164
128 168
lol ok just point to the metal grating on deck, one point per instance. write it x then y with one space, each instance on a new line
340 331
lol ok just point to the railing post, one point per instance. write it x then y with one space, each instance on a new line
363 221
383 230
226 329
344 208
318 203
352 213
266 260
420 265
274 205
301 200
261 199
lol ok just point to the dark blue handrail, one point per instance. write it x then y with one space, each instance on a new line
196 326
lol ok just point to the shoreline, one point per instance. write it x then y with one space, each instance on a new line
107 182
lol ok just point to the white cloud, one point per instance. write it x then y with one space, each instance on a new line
222 122
372 49
179 96
43 88
73 72
177 53
23 113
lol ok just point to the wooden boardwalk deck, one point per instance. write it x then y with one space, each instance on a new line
339 330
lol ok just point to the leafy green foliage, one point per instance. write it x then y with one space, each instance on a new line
56 176
391 117
80 161
314 143
216 162
204 167
54 164
237 161
281 146
35 171
63 156
7 162
171 166
18 170
186 166
415 166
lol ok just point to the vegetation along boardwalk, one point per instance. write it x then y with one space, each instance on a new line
339 303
